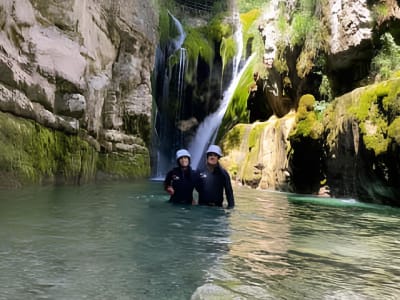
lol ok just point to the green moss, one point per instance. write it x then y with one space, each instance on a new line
197 45
387 61
307 123
138 125
33 154
391 102
248 5
252 39
164 27
306 105
228 50
233 138
251 174
378 105
255 134
218 29
394 130
245 139
380 12
125 165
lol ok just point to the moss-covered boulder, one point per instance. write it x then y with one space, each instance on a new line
362 143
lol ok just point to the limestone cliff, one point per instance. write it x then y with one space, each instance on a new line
81 67
352 149
344 142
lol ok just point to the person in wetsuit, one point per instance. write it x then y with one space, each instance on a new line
180 181
213 180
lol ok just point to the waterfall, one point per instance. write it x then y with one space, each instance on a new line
207 131
178 41
170 93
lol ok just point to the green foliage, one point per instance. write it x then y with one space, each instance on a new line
320 107
219 6
227 50
307 31
197 44
247 5
218 28
302 24
380 12
164 24
388 58
325 88
250 32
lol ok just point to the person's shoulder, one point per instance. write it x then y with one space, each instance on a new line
174 170
223 170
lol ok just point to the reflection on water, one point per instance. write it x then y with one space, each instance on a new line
124 241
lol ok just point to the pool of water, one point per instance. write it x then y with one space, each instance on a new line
124 241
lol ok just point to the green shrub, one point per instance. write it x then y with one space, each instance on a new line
388 58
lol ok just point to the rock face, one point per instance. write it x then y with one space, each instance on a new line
80 66
256 154
351 150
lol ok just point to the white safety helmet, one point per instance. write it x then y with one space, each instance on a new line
181 153
214 149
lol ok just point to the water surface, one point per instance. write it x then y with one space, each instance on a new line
124 241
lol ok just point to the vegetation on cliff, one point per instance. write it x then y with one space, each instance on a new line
376 111
33 154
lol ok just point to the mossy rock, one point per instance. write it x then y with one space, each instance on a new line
244 136
377 109
124 165
34 154
307 123
394 130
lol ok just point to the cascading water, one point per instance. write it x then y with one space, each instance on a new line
169 94
206 132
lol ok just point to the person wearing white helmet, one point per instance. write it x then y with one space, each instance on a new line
180 181
213 180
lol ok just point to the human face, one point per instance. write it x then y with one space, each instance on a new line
212 159
184 161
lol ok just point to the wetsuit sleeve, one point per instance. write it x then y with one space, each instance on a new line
196 180
167 180
228 189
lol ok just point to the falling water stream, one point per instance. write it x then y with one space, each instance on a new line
169 94
207 130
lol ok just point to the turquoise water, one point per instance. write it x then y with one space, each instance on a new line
124 241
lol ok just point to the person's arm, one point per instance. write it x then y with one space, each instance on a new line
196 182
228 189
168 184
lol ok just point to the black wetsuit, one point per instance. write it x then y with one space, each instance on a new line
183 181
211 187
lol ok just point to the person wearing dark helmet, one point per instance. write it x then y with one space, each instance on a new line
179 182
213 180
